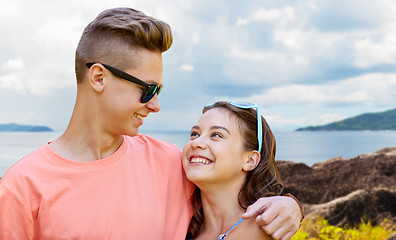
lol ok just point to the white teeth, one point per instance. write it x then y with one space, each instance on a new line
200 160
138 116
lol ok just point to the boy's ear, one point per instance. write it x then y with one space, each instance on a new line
251 161
96 78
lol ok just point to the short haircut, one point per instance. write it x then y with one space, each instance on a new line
117 32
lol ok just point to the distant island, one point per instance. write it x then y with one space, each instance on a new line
13 127
368 121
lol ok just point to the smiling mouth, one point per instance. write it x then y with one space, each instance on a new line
200 160
138 116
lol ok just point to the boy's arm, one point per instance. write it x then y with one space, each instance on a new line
278 216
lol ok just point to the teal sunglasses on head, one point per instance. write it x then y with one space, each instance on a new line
246 105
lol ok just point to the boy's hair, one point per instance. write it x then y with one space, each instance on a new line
115 33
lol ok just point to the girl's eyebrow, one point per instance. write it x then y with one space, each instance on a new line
220 127
213 127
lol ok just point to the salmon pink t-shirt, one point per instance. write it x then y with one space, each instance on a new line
139 192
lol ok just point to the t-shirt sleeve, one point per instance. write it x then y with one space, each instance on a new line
15 220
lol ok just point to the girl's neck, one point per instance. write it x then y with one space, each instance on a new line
221 211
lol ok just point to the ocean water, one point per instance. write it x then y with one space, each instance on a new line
305 147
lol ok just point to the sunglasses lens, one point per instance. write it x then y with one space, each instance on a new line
148 94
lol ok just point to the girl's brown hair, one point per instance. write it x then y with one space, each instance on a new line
263 181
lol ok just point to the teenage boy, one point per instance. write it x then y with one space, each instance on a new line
100 179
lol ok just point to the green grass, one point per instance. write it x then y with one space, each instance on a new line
320 229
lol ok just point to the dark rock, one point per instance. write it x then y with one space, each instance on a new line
356 207
346 191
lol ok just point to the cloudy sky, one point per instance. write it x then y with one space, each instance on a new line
304 62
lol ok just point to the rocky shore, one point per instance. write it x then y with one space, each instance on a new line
346 191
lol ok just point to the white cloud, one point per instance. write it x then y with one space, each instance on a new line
35 78
369 53
278 120
40 49
331 117
59 34
242 21
25 117
237 51
368 89
309 43
275 15
14 64
187 67
295 54
13 81
274 47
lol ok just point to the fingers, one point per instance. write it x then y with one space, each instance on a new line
277 226
268 221
258 207
280 218
283 233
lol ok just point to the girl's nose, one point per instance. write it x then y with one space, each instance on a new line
198 143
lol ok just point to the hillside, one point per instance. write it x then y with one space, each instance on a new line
368 121
13 127
346 191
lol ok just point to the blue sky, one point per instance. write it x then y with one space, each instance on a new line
304 62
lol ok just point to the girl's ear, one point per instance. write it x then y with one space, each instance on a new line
251 161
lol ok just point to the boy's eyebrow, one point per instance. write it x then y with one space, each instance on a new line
195 127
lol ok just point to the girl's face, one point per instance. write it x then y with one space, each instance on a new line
215 153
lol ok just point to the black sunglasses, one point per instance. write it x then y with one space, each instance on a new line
150 89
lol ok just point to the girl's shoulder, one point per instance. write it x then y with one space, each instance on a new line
248 229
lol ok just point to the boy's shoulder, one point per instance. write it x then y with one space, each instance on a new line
24 166
150 142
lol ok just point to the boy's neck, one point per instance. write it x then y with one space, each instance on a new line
84 140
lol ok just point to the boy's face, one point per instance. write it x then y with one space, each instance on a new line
123 109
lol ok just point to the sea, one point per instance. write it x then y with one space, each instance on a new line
302 147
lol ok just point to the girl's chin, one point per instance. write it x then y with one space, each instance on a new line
197 177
